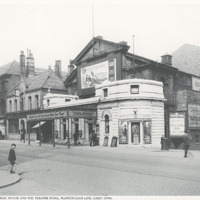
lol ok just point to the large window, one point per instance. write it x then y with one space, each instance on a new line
105 92
107 124
10 106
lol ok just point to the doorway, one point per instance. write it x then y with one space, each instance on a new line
135 132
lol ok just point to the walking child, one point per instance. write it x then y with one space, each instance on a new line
12 158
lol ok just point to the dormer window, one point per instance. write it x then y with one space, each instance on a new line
105 92
134 89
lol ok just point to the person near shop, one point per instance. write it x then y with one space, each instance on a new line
75 137
12 158
94 139
186 145
91 139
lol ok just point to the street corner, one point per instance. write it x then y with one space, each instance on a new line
8 179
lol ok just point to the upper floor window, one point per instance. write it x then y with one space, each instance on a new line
29 102
22 104
36 102
107 124
134 89
48 102
15 105
2 107
105 92
10 106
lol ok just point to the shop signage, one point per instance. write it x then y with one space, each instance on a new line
82 114
47 115
196 83
193 116
177 124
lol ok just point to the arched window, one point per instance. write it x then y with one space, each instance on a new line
107 124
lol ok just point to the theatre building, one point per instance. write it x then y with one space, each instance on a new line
107 70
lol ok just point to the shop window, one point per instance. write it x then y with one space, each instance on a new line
107 124
134 89
105 92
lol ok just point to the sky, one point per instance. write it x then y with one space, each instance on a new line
59 30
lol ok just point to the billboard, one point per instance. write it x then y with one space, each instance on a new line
177 124
98 73
196 83
193 116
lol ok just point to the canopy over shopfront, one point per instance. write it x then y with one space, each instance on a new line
39 124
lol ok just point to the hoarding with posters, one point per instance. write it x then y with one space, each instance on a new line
177 124
98 73
193 116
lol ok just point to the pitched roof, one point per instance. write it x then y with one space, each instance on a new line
10 68
187 59
94 46
44 80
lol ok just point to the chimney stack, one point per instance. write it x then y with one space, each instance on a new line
166 59
22 64
30 64
57 68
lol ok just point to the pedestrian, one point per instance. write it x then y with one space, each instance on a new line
75 137
186 145
91 139
12 158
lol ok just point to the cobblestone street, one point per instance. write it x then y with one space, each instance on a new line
103 171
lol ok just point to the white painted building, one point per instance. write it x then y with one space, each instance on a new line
132 111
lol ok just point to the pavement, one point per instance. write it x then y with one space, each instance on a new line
7 179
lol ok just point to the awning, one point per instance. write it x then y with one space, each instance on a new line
39 124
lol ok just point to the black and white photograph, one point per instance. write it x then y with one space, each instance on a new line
99 100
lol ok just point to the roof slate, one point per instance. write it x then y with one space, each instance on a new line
10 68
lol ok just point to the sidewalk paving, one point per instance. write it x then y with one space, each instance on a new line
7 179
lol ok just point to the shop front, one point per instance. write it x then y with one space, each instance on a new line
60 125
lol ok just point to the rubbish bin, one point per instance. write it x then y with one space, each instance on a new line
165 143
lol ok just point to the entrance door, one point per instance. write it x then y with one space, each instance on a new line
90 128
135 132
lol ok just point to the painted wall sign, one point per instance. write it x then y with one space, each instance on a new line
193 116
82 114
196 83
97 74
177 124
47 115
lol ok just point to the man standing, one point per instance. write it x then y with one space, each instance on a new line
12 158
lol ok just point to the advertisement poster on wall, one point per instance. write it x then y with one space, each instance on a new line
147 132
177 124
97 74
123 132
193 116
